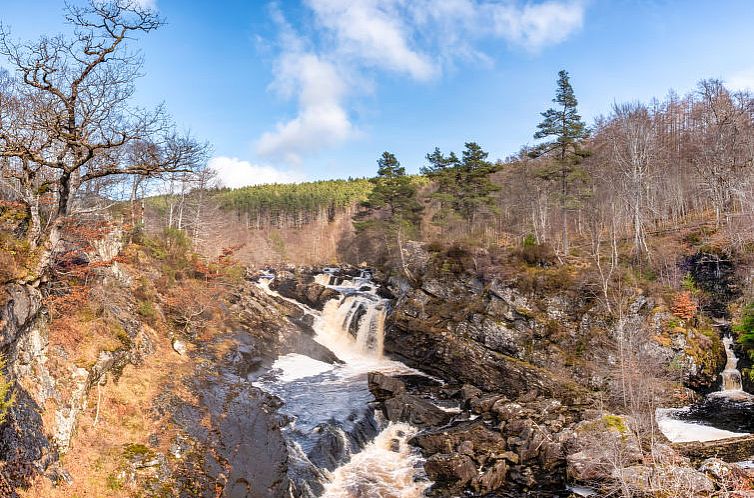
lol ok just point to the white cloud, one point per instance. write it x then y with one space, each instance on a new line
375 33
321 121
741 80
415 38
146 4
535 26
233 172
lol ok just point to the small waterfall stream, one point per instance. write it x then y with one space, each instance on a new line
339 447
731 376
726 413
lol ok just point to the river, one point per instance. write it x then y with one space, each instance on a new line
339 446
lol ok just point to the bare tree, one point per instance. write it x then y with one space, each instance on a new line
633 151
722 154
66 117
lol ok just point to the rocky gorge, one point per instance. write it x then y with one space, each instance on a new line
463 384
526 417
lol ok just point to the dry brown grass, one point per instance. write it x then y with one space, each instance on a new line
125 417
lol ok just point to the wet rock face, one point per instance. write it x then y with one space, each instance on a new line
384 387
231 439
473 437
304 290
275 327
414 410
722 412
246 427
716 275
451 472
400 406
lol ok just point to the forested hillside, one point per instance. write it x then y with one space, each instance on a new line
541 310
293 205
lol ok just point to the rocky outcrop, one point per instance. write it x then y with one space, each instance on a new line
596 448
278 327
462 331
492 444
511 335
19 307
734 449
24 447
303 289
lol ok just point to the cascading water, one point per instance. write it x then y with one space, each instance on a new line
333 424
385 468
722 414
731 376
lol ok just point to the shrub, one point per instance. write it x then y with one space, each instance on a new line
536 254
745 329
683 306
7 396
146 309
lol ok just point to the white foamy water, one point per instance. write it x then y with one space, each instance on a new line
385 468
295 366
315 393
322 279
681 431
731 376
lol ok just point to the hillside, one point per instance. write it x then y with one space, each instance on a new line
576 319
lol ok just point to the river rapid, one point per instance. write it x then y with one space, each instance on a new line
338 445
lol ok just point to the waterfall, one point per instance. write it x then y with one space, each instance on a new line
355 322
722 414
329 404
731 376
385 467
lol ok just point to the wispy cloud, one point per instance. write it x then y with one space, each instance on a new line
535 26
145 4
233 172
321 121
741 80
374 33
414 38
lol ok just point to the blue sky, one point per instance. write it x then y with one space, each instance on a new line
315 89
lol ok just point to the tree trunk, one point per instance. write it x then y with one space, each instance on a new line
563 208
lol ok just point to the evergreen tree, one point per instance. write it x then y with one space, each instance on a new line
476 186
463 186
443 171
564 125
393 211
394 190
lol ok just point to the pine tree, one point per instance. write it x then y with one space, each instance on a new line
393 211
394 190
476 186
463 186
569 131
